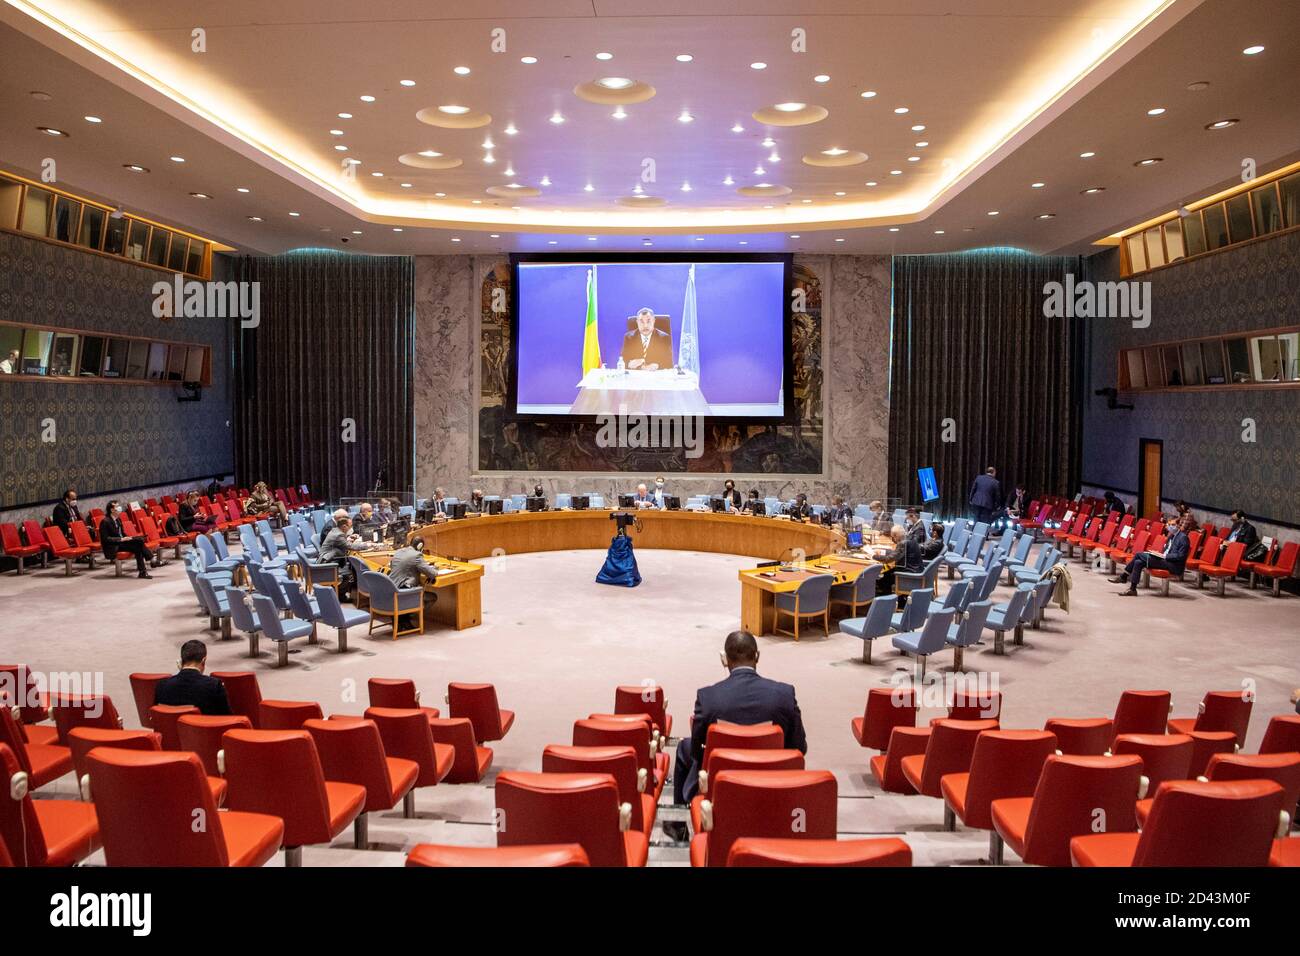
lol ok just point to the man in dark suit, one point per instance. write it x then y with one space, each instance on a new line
66 512
1174 559
800 510
190 685
915 527
1017 502
112 539
986 495
743 698
645 347
1242 530
906 557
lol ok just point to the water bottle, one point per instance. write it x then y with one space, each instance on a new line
622 369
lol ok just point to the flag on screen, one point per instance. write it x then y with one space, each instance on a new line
590 341
688 353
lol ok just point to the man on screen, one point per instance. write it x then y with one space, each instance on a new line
645 347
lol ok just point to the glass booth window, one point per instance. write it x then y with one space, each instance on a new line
1212 356
36 211
1238 361
67 212
157 361
1193 234
36 351
137 241
1289 352
176 258
137 359
11 350
1240 226
1216 227
176 365
115 235
1290 188
1266 359
63 354
1268 214
115 361
92 228
158 247
1137 255
1193 372
92 356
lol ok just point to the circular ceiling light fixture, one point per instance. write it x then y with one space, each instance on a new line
641 201
453 116
206 196
1155 111
764 190
1252 50
461 70
513 191
791 114
1150 161
758 65
834 158
345 116
821 78
867 94
684 58
604 56
51 131
407 82
92 119
1092 190
137 168
528 60
1046 215
1222 124
429 159
614 91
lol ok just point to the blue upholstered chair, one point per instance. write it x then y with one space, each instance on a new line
215 603
1006 616
243 614
958 557
1048 558
563 500
316 573
955 599
930 639
596 501
359 569
280 631
334 614
810 599
875 624
301 606
1019 554
968 632
927 518
913 614
223 551
907 581
859 592
390 602
212 561
517 502
981 589
1037 601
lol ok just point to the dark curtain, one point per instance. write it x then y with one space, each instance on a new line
336 343
971 344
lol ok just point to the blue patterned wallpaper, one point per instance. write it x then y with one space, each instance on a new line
109 436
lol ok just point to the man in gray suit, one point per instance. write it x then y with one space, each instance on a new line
408 569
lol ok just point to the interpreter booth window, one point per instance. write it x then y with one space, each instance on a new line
1240 226
11 350
116 358
115 235
1216 227
36 351
137 359
1212 356
157 361
1266 358
92 355
63 354
1194 234
1288 346
36 211
67 216
1239 371
137 241
176 365
1193 370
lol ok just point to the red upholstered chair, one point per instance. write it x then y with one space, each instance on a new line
1006 763
785 851
718 759
798 804
1141 712
949 750
398 693
1219 710
744 736
19 687
201 734
471 762
351 751
645 699
545 855
146 805
243 692
1282 769
1283 567
278 772
82 538
887 767
90 710
478 702
625 731
286 714
1074 795
42 763
163 718
886 709
1282 735
82 740
407 734
1082 737
143 689
62 551
975 705
1194 824
634 788
1207 743
582 808
1164 756
1227 567
153 532
42 832
14 547
1285 852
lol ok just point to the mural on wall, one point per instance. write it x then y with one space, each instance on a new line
505 444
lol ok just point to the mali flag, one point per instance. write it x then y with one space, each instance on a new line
590 341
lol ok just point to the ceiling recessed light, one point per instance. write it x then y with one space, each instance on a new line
646 242
254 218
295 214
839 240
834 151
737 128
367 98
93 119
685 117
452 109
805 200
378 175
431 153
356 232
769 142
728 181
604 56
795 236
993 212
1150 161
900 110
345 116
923 144
397 229
591 238
873 183
557 117
530 60
489 159
1046 215
241 189
336 132
205 196
552 242
1037 185
353 162
1088 155
455 239
440 195
938 232
773 157
589 188
1222 124
758 65
895 172
1252 50
495 235
614 82
510 171
1155 111
867 94
759 170
821 78
841 193
893 229
686 187
546 180
51 131
341 148
619 113
684 58
177 159
461 70
1092 189
488 144
914 159
405 185
510 130
407 82
135 167
919 127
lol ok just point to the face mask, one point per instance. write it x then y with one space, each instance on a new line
659 484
